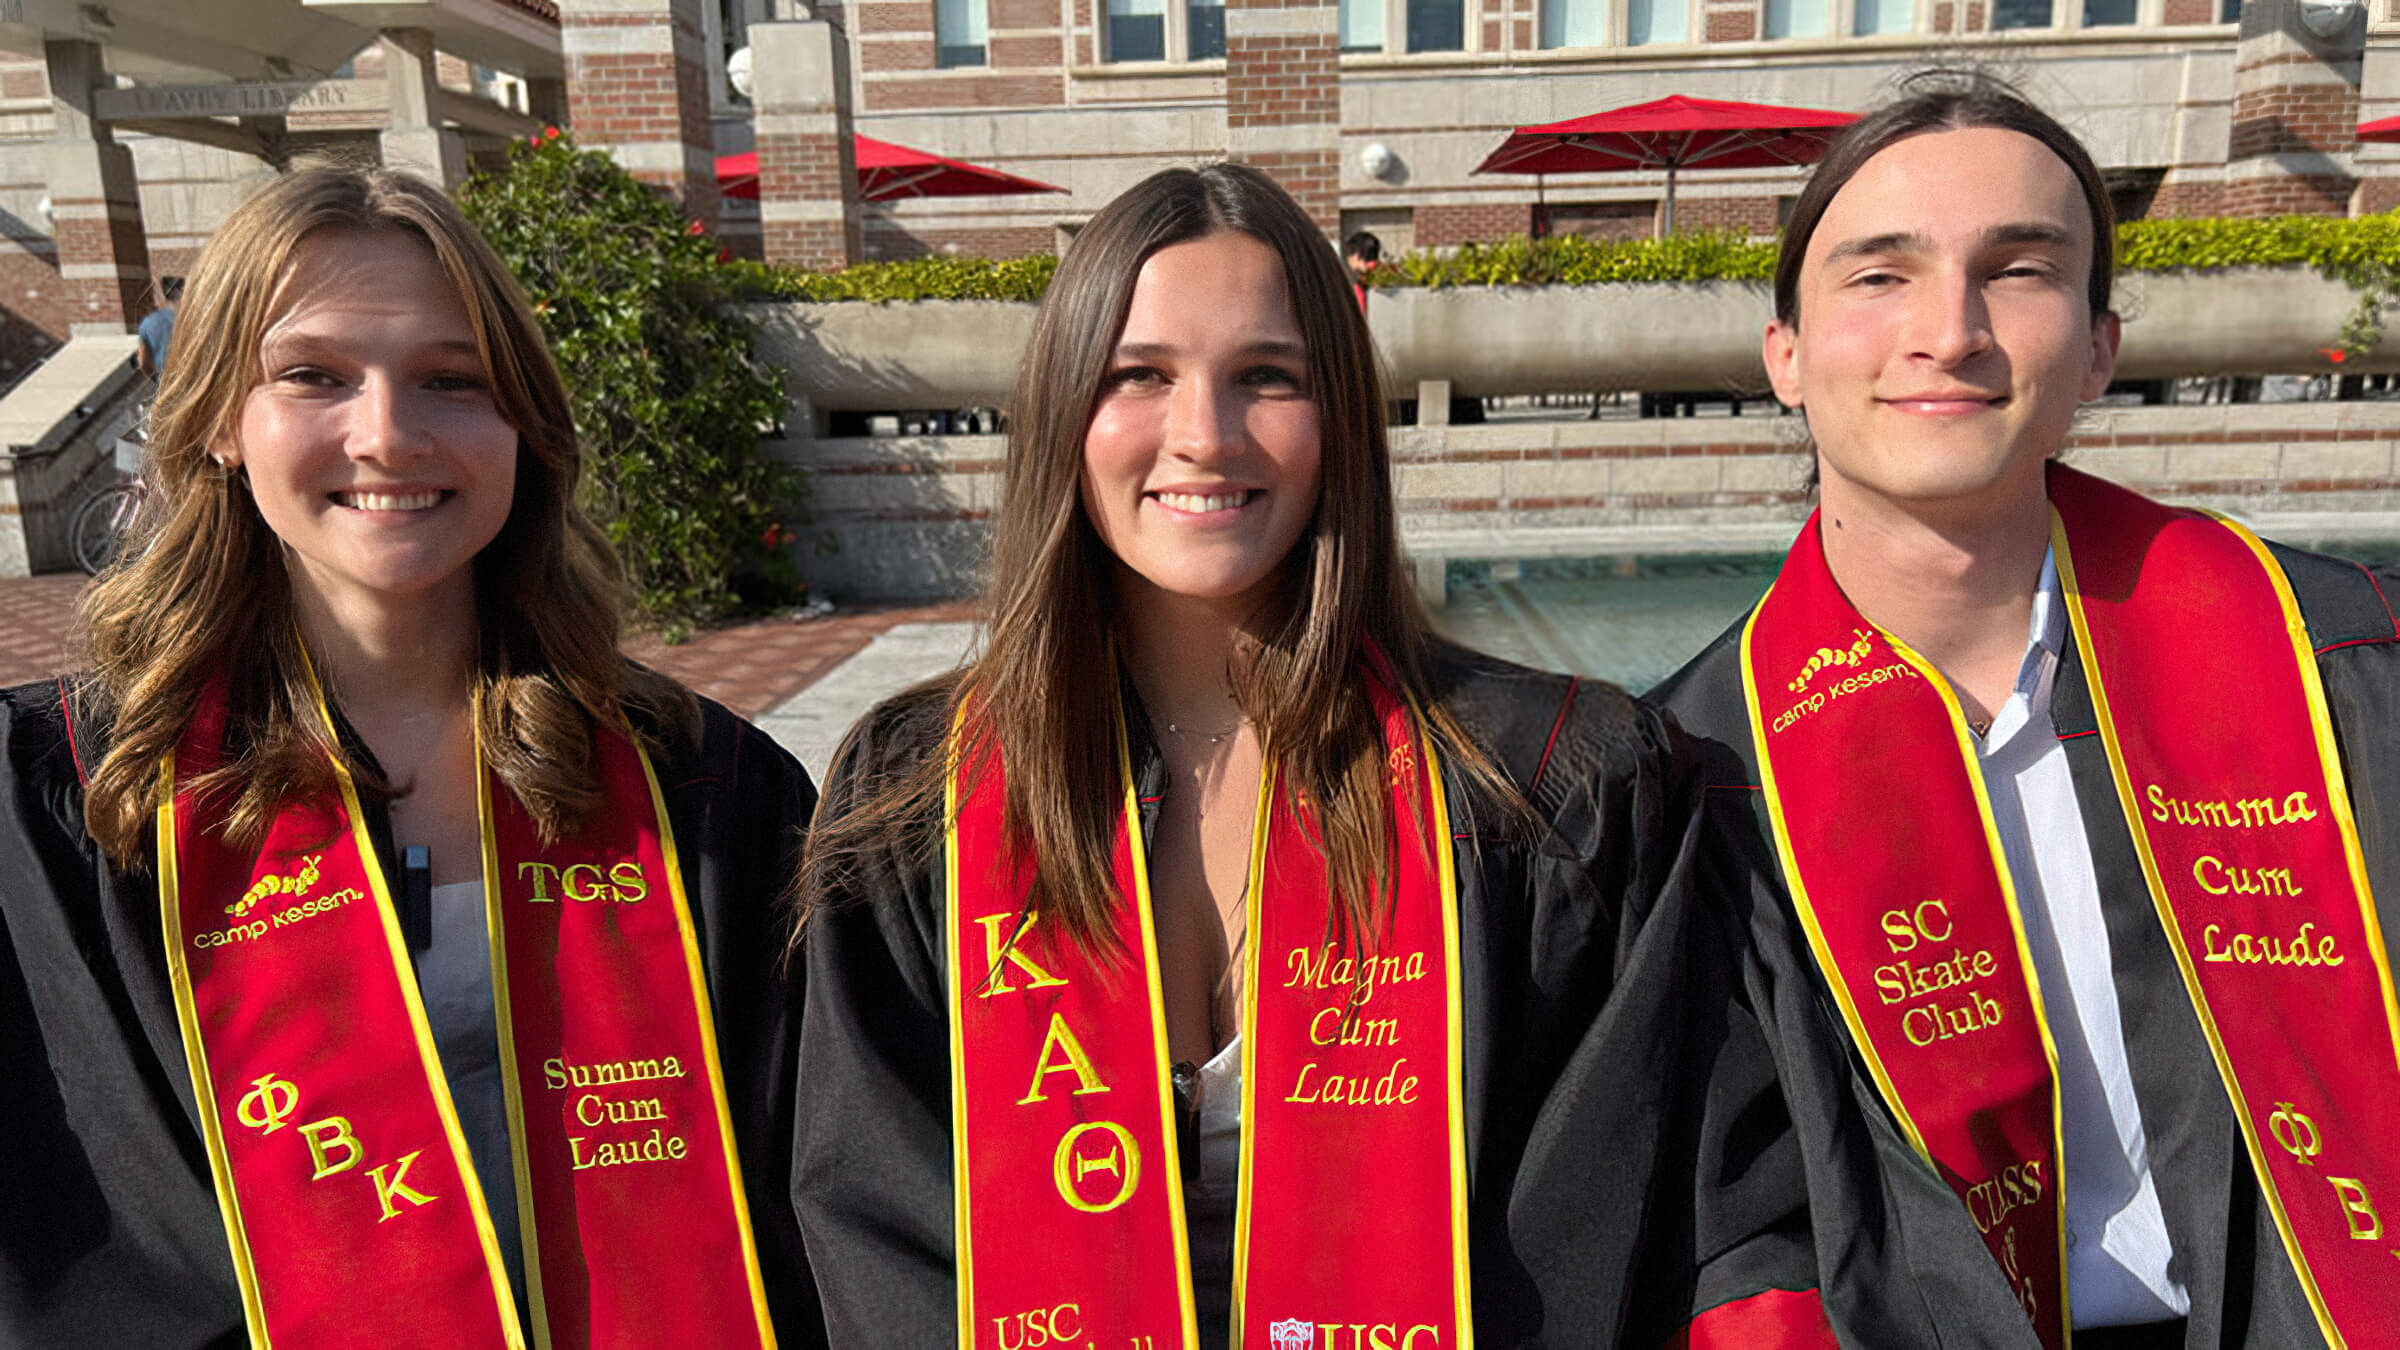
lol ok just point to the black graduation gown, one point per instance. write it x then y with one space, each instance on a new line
109 1230
1629 1160
1881 1214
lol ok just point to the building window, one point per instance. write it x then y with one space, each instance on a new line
1437 25
1799 18
1164 30
2229 11
2074 13
1868 17
1653 21
1362 25
1205 25
1575 23
1137 30
1594 23
958 33
1419 25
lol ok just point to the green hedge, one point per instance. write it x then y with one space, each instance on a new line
2346 249
916 279
637 304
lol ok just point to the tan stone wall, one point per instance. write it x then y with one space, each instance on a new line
1582 489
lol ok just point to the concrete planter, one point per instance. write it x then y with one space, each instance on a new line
1553 339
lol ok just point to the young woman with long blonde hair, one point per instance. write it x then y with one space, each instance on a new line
1220 953
383 958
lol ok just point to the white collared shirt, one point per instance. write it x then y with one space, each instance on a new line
2117 1244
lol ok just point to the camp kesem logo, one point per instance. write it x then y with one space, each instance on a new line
1827 657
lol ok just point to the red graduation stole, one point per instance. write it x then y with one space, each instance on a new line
2233 790
2232 786
1351 1227
1860 743
345 1183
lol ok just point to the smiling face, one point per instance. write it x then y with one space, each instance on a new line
1201 462
1945 338
372 441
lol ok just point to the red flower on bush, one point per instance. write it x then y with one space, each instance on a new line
549 133
695 229
2334 354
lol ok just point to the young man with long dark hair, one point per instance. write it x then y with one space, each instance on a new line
2080 803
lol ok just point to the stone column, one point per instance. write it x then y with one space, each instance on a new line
414 140
95 200
637 87
2195 181
1283 98
807 161
2295 109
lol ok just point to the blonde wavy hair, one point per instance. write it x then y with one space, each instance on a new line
202 593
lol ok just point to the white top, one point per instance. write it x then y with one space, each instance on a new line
1209 1197
2117 1244
454 978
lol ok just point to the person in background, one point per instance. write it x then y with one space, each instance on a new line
1362 253
382 956
156 328
2078 969
1221 943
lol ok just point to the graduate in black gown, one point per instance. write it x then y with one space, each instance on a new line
1245 874
2035 702
259 1083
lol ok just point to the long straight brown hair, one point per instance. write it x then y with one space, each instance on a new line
203 594
1047 685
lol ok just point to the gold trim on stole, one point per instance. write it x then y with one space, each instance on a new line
953 751
2338 796
1163 1085
1446 869
204 1091
1823 952
1252 894
403 970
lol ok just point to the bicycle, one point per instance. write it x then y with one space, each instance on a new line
100 525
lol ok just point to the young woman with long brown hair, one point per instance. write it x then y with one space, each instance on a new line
1221 953
385 960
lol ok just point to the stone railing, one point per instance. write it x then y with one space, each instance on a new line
58 431
1555 339
906 515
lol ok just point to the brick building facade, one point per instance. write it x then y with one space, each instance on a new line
2171 99
2190 109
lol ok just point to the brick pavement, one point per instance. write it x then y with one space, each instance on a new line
35 613
749 667
753 667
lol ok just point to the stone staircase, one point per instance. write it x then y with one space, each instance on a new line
58 432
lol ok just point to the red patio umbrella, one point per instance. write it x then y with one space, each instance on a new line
1671 133
2381 129
888 172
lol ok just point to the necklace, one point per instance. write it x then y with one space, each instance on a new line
1213 738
